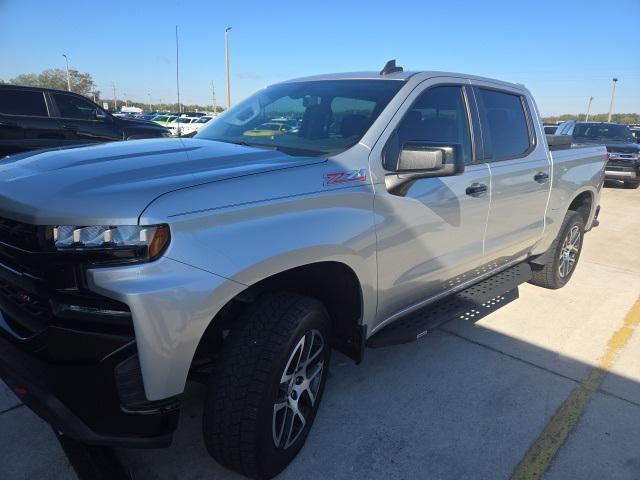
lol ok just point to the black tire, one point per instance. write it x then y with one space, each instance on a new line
246 390
631 184
549 275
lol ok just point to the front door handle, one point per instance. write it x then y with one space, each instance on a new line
67 126
541 177
476 189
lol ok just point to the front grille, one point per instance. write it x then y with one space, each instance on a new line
40 287
22 235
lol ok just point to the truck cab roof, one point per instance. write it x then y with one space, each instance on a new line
399 76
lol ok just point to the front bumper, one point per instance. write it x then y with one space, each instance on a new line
621 173
70 354
98 402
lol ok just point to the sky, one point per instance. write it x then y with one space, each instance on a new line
564 50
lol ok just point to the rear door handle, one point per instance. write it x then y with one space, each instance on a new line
476 189
541 177
67 126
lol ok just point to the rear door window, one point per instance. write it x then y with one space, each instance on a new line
505 124
22 102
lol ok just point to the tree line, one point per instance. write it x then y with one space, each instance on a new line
82 83
627 118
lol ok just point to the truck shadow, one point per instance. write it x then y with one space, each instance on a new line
464 401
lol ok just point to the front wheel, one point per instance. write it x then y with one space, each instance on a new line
563 254
263 396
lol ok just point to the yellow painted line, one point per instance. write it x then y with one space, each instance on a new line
538 458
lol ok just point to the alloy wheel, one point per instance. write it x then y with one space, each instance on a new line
298 389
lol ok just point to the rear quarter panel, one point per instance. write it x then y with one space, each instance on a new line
575 171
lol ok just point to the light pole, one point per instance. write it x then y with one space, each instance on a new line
115 100
213 98
66 61
226 49
586 119
149 94
613 97
177 73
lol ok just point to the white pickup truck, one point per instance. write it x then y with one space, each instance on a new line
243 256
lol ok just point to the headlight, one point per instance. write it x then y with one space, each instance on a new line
127 243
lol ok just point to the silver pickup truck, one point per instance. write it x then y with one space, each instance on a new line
318 214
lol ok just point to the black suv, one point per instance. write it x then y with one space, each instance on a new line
32 118
622 150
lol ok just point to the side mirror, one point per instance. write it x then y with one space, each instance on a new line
414 160
100 115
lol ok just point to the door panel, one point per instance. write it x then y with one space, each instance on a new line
518 204
430 233
520 173
429 240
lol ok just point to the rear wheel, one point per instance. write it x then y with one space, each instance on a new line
563 254
263 396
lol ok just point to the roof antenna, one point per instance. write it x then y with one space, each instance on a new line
390 67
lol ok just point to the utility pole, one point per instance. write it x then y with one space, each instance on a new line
613 97
213 98
586 119
226 49
115 100
178 73
66 61
149 93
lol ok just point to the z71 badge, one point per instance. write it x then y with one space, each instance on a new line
349 176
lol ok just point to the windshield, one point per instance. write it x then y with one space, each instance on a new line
603 131
203 119
305 118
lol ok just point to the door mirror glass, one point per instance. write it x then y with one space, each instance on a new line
427 159
418 158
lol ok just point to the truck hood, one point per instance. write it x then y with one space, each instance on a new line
112 183
620 147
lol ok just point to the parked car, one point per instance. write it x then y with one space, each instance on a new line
33 118
176 127
622 147
190 129
270 129
164 120
239 261
550 129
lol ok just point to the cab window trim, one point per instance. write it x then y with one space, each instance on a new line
468 110
533 140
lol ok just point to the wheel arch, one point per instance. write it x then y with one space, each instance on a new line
583 202
334 283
